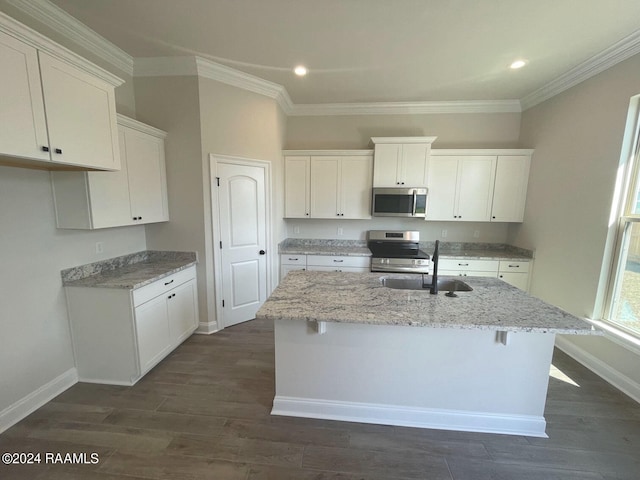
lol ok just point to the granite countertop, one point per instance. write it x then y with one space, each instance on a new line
361 298
347 248
358 248
128 271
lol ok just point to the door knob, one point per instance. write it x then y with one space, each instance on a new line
262 252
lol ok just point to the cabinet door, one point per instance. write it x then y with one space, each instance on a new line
510 192
146 173
182 308
284 269
386 167
110 203
442 181
297 174
474 190
81 117
355 187
414 164
152 331
23 130
324 187
519 280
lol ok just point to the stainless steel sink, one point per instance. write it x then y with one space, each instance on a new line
444 284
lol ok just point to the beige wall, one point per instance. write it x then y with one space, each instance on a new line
239 123
463 130
173 105
35 343
201 117
577 137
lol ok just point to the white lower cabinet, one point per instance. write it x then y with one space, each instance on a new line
323 263
515 273
120 334
330 263
289 263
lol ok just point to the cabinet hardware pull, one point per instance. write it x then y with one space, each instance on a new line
293 259
262 252
463 264
338 261
58 150
307 214
45 149
170 282
514 266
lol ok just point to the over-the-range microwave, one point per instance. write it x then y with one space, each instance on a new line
399 202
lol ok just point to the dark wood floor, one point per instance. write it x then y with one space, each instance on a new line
203 413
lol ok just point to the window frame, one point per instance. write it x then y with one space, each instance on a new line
625 201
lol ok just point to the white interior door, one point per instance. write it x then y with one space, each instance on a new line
242 213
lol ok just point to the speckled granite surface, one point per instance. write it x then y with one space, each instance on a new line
479 251
361 298
128 271
467 250
347 248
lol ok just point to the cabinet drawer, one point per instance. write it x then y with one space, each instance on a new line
290 259
146 293
515 267
337 262
468 265
337 268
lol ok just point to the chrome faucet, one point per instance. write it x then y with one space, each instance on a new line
433 286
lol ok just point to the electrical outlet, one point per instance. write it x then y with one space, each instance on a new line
296 229
476 234
340 231
99 247
444 234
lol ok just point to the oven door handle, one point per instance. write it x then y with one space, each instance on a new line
415 200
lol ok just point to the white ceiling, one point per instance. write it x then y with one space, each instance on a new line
373 50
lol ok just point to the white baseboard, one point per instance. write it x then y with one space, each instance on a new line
527 425
623 383
27 405
207 328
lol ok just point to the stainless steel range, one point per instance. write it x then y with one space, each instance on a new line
397 251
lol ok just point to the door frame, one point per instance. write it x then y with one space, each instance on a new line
214 160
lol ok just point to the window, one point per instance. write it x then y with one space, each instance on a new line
624 298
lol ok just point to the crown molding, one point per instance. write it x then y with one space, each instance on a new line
625 48
403 108
231 76
74 30
140 127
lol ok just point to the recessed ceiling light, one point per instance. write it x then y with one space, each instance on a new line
518 64
300 70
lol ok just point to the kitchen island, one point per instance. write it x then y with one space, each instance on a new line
348 348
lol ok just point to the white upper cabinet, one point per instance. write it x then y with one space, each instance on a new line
23 128
328 184
81 116
56 107
510 193
297 178
460 188
477 185
136 194
146 171
401 161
